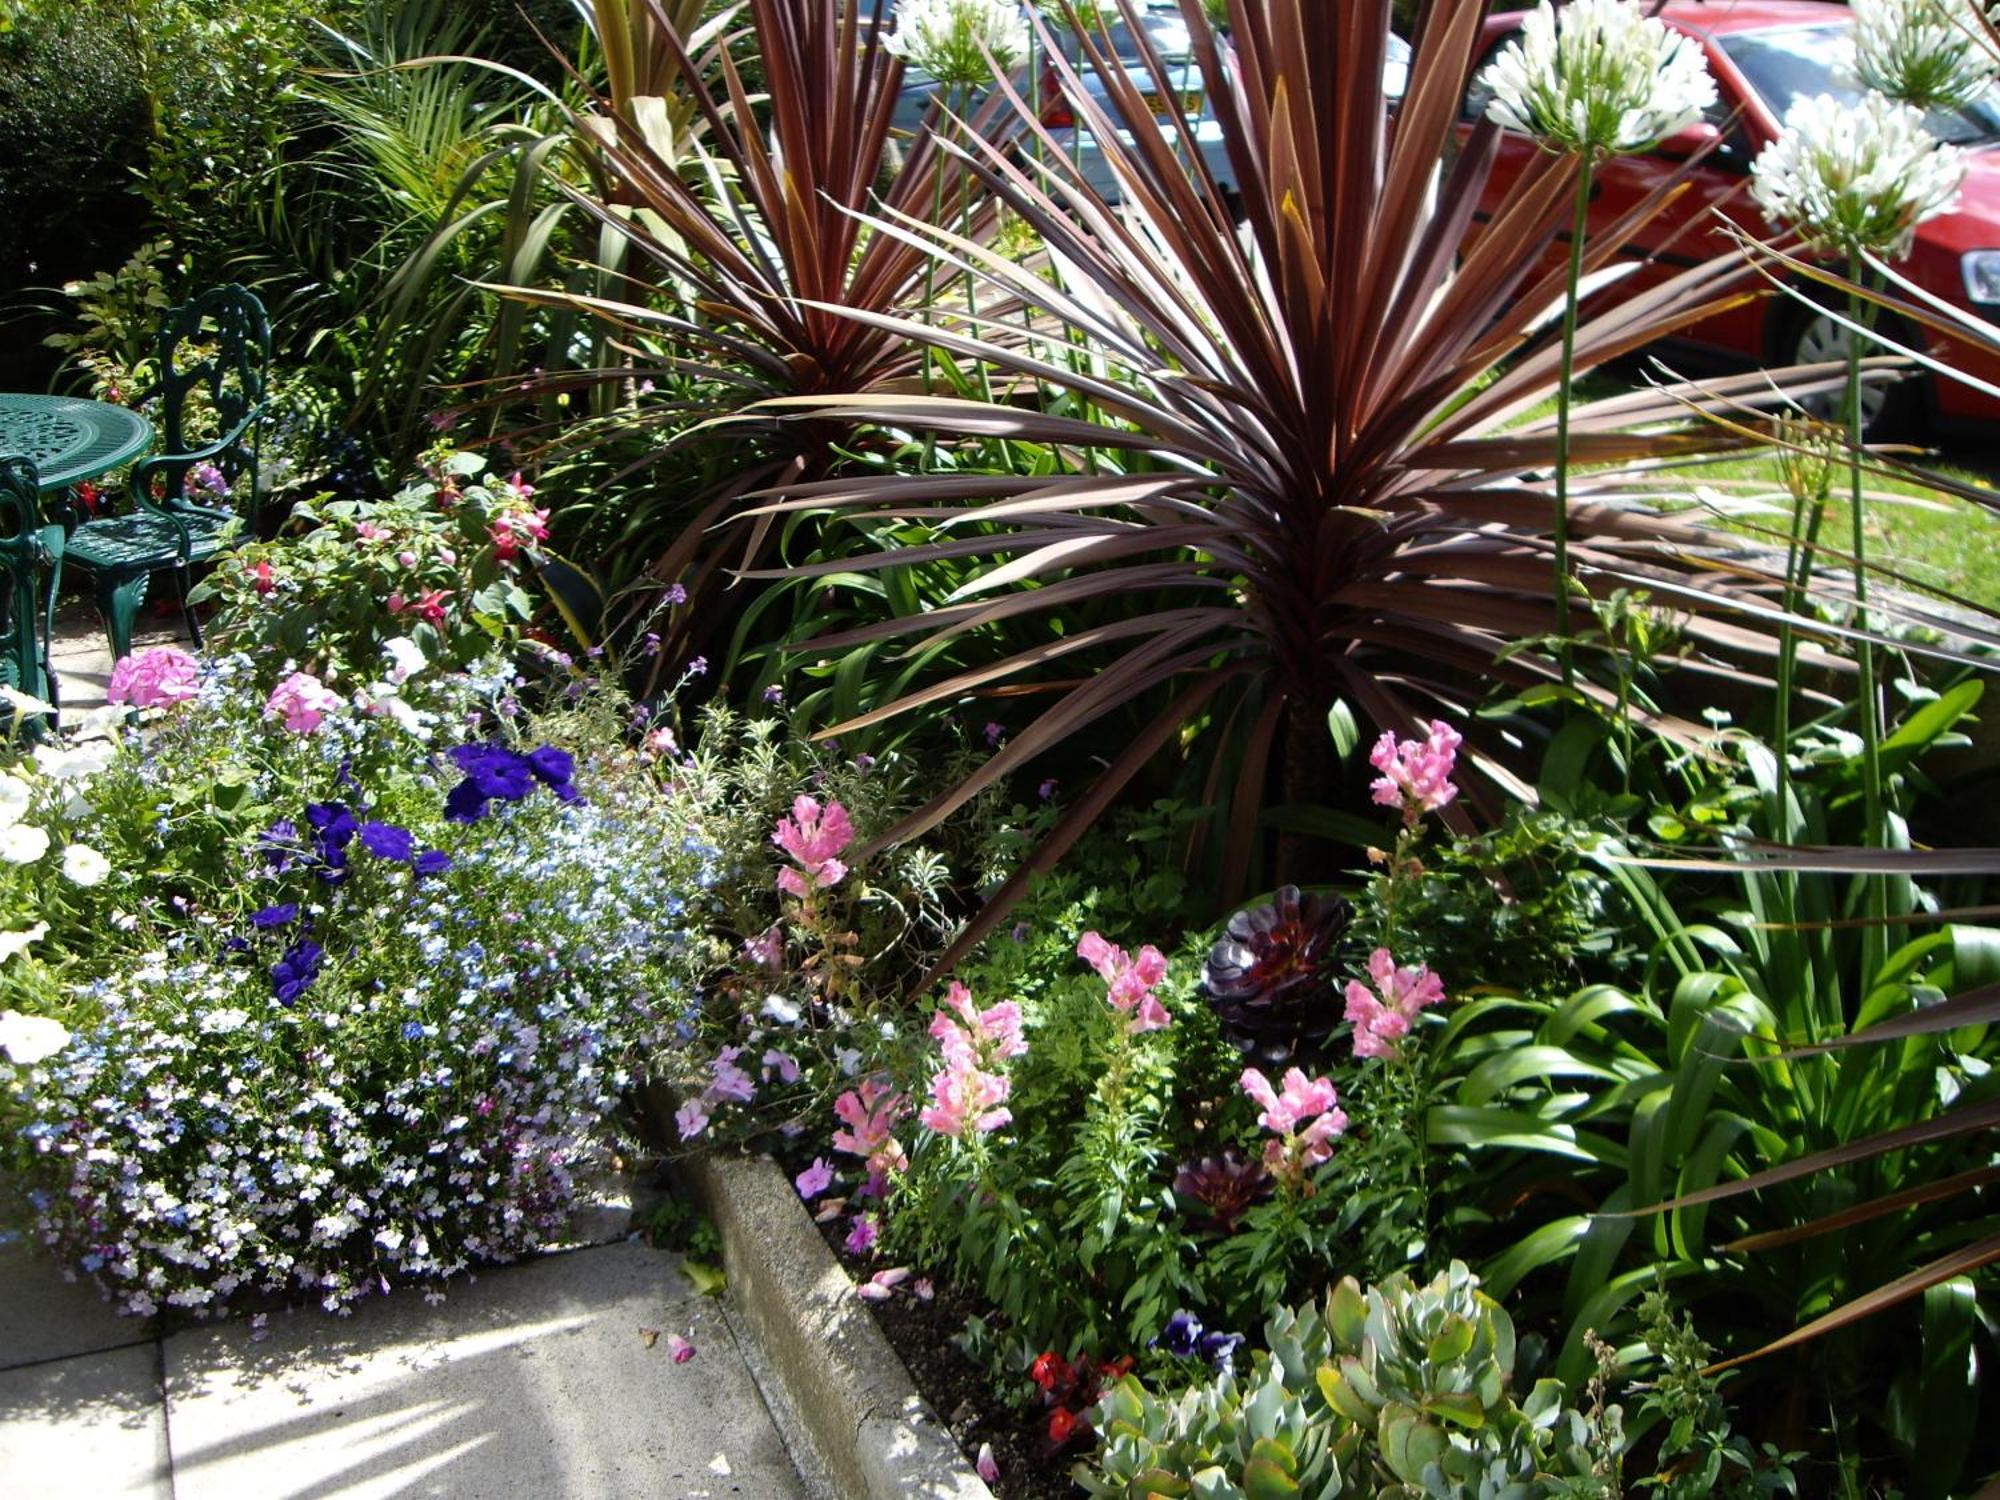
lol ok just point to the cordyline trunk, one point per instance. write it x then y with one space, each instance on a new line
1308 782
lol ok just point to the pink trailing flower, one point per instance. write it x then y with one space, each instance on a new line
1382 1017
767 949
302 701
815 1179
1128 982
728 1080
812 836
870 1110
882 1285
692 1119
154 679
679 1349
861 1235
783 1063
1305 1116
1416 774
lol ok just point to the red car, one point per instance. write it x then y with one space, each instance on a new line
1763 55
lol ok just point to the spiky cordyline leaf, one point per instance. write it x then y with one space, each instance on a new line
1352 469
753 238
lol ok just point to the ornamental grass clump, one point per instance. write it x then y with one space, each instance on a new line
322 1038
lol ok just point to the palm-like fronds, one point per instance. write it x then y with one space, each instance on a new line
756 245
1353 505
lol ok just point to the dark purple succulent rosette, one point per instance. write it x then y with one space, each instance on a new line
1268 974
1225 1185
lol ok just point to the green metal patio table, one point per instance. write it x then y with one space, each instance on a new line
71 439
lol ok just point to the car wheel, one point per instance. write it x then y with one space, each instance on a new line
1813 338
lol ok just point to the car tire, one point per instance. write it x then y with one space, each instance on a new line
1808 337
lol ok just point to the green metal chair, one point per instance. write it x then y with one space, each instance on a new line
215 355
29 544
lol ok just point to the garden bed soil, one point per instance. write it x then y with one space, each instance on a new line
923 1335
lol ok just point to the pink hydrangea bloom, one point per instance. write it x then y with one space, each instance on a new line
1416 774
815 1179
812 836
1128 982
1382 1016
153 679
302 701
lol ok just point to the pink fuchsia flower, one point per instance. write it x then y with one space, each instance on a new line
861 1236
1382 1017
520 486
815 1179
1416 774
302 701
261 577
679 1349
812 836
966 1100
368 531
692 1119
154 679
1128 982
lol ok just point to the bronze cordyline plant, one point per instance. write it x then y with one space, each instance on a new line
748 223
1345 499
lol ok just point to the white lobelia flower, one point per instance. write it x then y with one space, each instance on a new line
84 865
950 39
1855 177
1598 77
28 1040
1935 54
17 942
22 843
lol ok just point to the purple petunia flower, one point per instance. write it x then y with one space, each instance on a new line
387 841
293 974
333 825
1182 1335
431 862
275 916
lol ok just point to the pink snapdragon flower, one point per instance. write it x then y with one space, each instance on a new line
1416 774
991 1035
870 1111
1305 1116
1128 982
812 836
767 949
302 701
1382 1016
154 679
966 1100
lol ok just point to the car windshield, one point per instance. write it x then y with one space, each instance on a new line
1798 63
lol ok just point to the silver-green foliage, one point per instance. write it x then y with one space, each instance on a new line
1397 1392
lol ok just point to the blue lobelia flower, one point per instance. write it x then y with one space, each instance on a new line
387 841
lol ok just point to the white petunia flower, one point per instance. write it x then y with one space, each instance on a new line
950 39
74 765
406 658
22 844
84 865
1856 177
28 1040
1934 54
22 704
17 942
1597 77
14 795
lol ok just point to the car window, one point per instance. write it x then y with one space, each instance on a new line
1786 65
1477 94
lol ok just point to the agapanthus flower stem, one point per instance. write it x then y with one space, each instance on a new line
1871 718
1565 647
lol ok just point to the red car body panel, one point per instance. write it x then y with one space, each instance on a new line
1686 232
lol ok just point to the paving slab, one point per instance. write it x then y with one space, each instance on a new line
44 1317
548 1379
92 1426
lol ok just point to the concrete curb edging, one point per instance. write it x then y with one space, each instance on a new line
873 1431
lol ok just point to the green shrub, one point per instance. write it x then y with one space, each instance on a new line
1399 1391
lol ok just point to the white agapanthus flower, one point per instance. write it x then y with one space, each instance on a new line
84 865
950 39
23 843
1598 77
1934 54
1855 177
28 1040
